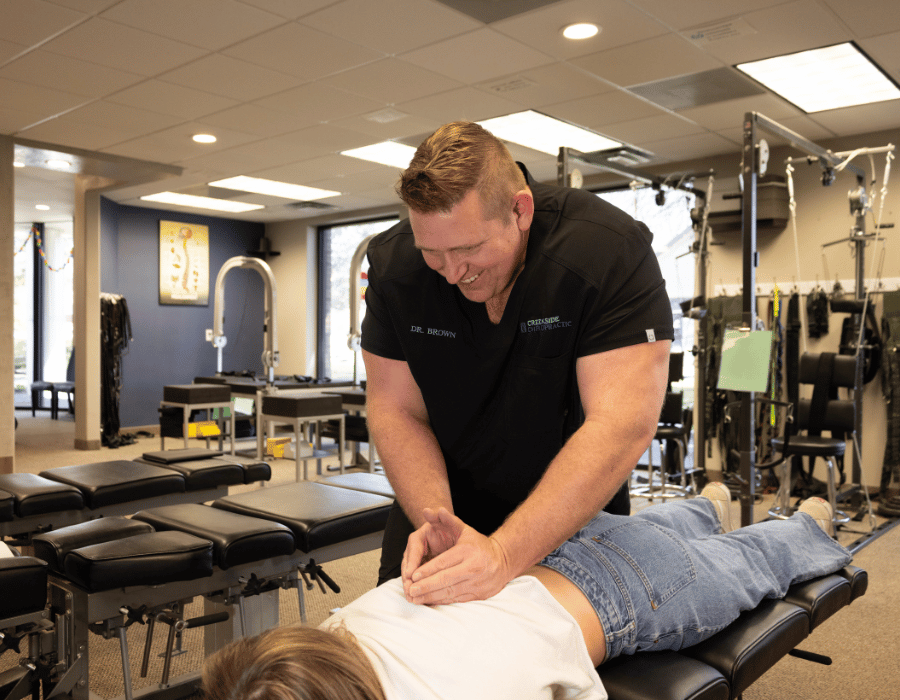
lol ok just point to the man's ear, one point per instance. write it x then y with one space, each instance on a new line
523 209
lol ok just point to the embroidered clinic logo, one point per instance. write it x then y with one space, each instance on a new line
432 331
543 324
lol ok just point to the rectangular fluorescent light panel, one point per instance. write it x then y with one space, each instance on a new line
190 200
242 183
386 153
827 78
545 134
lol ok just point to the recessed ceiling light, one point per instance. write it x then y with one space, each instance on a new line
42 207
18 164
545 134
827 78
259 185
204 138
386 153
190 200
58 163
581 30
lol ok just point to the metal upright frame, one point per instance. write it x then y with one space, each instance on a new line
603 159
752 156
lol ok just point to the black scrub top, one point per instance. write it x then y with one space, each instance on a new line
502 398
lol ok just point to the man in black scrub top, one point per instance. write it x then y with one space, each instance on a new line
516 343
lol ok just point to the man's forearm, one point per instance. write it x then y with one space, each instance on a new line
412 461
580 481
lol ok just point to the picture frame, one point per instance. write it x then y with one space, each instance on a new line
183 264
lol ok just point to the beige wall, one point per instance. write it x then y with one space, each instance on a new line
7 369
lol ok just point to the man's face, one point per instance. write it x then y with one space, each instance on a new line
480 257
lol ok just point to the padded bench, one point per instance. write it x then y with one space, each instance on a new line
31 503
726 664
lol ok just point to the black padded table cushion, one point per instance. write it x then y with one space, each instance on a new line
362 481
254 469
197 393
317 514
204 473
26 579
53 546
107 483
7 506
187 454
36 495
150 559
301 405
237 539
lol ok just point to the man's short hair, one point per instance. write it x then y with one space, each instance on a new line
456 158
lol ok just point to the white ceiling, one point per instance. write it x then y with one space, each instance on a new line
286 85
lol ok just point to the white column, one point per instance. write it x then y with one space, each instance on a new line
7 369
86 228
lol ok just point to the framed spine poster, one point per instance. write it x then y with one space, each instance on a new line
183 264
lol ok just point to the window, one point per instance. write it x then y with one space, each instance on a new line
673 235
336 247
43 306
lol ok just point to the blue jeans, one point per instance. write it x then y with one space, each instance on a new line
666 578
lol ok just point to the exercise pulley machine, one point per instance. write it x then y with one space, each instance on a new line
754 164
615 161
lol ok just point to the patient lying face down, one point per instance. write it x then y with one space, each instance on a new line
665 578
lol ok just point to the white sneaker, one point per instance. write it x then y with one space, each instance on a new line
821 511
718 493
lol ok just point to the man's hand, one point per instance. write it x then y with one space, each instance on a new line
464 564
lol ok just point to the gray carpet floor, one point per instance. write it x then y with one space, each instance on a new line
862 639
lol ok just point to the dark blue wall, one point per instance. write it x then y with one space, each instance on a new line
169 342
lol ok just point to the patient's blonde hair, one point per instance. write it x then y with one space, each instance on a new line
291 663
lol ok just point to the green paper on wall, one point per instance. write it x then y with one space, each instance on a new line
745 360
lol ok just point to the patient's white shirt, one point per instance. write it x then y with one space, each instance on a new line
519 645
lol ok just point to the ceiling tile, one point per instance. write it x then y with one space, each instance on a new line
316 102
14 119
32 21
65 73
391 81
289 9
686 15
301 51
229 77
384 176
648 60
465 103
620 23
98 125
323 167
477 56
557 82
8 49
175 144
690 147
398 128
87 6
883 50
391 26
723 115
803 125
639 131
38 100
168 98
867 19
118 46
251 118
209 24
609 107
864 118
795 26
